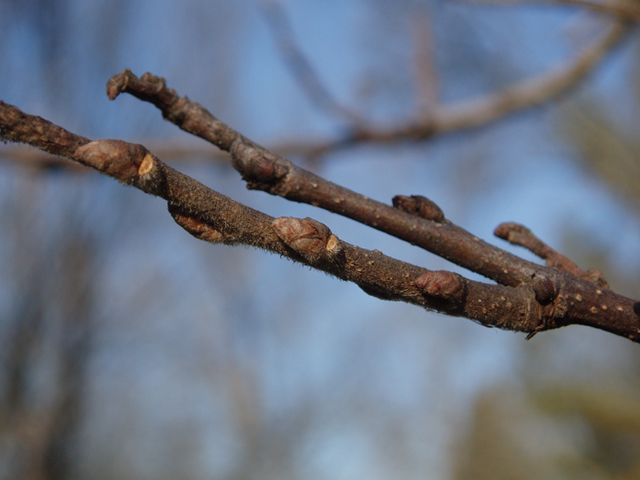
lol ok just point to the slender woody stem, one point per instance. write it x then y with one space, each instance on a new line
216 218
551 298
265 171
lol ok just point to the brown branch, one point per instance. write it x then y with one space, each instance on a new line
495 106
172 152
621 9
466 115
469 114
474 113
549 298
628 10
564 298
424 70
440 120
265 171
213 217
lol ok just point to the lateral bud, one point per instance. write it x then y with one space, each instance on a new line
596 276
442 284
259 168
420 206
121 160
197 228
310 238
544 289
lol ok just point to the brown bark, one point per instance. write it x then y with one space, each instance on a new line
528 297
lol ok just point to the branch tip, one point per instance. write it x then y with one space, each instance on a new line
520 235
118 84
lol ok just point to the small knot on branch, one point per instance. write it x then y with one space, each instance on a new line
121 160
420 206
259 168
308 237
544 289
442 284
196 227
118 84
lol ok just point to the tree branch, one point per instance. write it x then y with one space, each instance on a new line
215 218
495 106
414 219
522 236
532 297
622 9
474 113
440 120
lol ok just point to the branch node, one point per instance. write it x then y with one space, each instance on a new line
116 158
308 237
146 165
520 235
544 289
259 168
420 206
160 82
596 276
195 227
442 284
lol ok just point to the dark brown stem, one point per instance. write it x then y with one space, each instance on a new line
265 171
18 127
213 217
549 298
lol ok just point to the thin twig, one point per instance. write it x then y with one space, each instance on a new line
563 298
475 113
466 115
520 235
215 218
265 171
626 10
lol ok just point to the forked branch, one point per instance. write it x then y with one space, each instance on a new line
215 218
528 298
